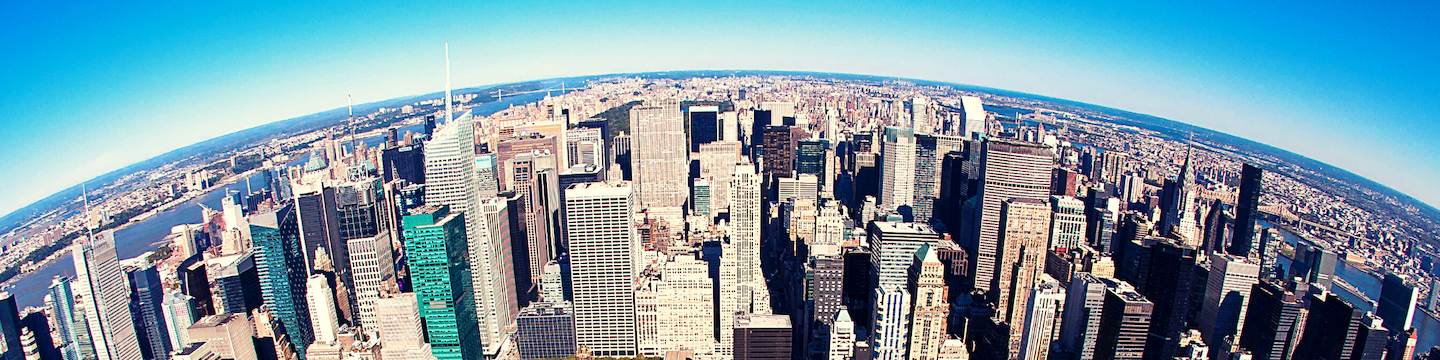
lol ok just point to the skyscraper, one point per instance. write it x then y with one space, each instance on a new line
1247 206
1398 300
147 293
1025 232
895 245
930 311
1227 295
1067 222
373 266
930 153
10 328
280 263
437 252
1123 324
603 255
1168 282
107 297
1012 170
1042 319
1331 329
762 337
810 157
975 118
890 334
660 155
1273 321
71 327
897 178
319 219
323 319
398 322
175 310
545 330
704 126
1084 305
685 308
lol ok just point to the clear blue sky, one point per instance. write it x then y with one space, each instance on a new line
88 88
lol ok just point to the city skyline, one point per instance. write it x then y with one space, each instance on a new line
1281 81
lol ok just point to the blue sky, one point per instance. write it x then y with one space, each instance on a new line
87 88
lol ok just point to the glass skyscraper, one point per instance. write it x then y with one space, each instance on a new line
438 254
280 263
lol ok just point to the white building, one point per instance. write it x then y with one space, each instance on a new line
1227 295
891 323
842 336
398 322
897 177
373 268
100 284
1012 170
660 155
323 320
686 311
1042 326
1067 222
604 252
176 311
975 117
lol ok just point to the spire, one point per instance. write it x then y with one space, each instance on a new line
448 116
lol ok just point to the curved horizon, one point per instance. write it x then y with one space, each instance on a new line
115 85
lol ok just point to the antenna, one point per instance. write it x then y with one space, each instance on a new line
350 107
448 115
84 194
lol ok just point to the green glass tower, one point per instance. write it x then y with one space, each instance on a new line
435 244
281 268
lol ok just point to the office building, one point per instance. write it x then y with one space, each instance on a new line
1012 170
604 253
1168 281
895 245
399 325
686 311
780 143
436 249
1067 222
280 263
10 328
1124 323
842 337
762 337
1273 321
404 162
897 177
1042 319
1314 264
975 126
890 333
1227 295
930 310
373 267
1025 232
930 153
72 330
1084 305
1331 329
705 126
104 290
810 157
1246 208
1398 302
546 330
323 319
228 336
238 283
659 156
147 293
175 313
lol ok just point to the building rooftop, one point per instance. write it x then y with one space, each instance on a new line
759 321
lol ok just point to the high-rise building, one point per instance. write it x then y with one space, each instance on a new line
1273 321
810 157
975 118
228 335
280 263
705 126
842 337
175 310
686 309
891 322
36 340
1331 329
700 196
1042 319
1124 324
930 153
762 337
10 328
1067 222
1314 264
897 178
895 245
660 155
323 319
238 283
529 222
1227 295
604 252
1398 300
71 327
1371 339
1170 274
1012 170
1024 234
745 223
930 310
102 286
545 330
1246 208
319 217
146 295
827 287
398 322
437 251
1084 305
803 186
404 162
195 282
717 163
373 266
779 148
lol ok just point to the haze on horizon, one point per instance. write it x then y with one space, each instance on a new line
95 87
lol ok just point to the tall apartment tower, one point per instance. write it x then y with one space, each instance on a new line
1124 324
1246 207
437 251
897 177
659 154
1227 295
280 263
100 281
1273 321
1012 170
930 311
604 252
1025 232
